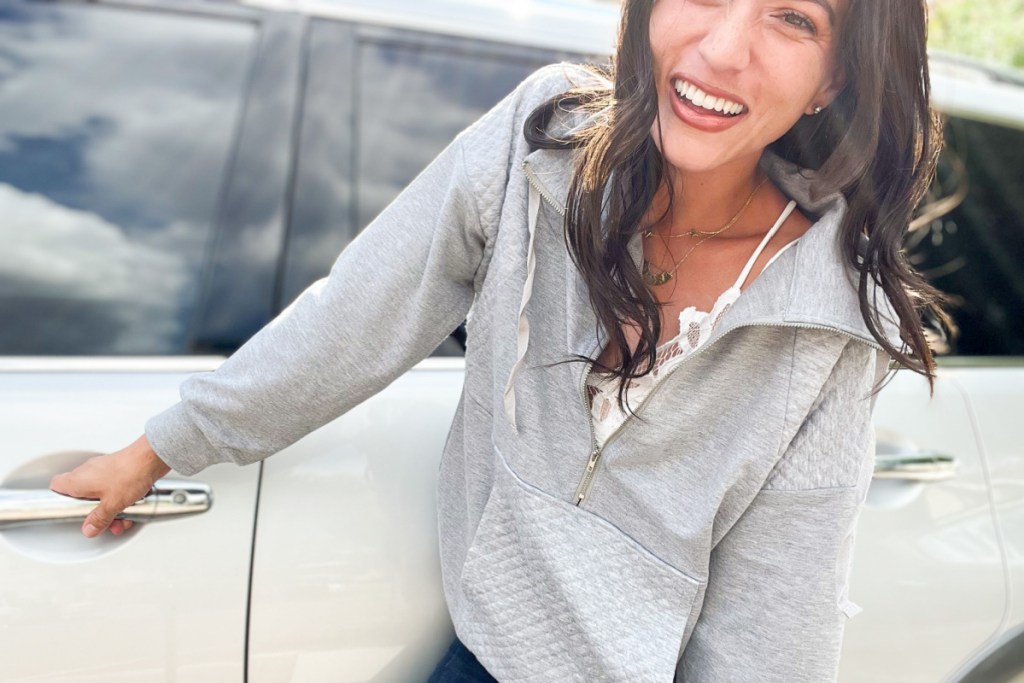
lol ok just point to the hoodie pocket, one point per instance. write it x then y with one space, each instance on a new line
552 592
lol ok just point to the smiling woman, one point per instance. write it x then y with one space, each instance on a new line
746 172
770 65
702 91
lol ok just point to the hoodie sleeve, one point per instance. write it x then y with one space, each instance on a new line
776 602
393 295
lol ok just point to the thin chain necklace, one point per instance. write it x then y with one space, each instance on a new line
655 279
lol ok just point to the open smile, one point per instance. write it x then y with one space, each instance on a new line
705 108
694 95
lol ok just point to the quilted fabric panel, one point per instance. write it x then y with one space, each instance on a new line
835 444
554 593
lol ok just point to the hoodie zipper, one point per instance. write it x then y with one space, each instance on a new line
589 471
587 481
531 176
595 451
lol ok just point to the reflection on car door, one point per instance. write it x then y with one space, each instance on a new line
118 131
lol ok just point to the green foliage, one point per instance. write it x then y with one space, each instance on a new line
990 30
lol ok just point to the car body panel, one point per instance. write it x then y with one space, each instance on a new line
928 569
168 599
346 574
995 398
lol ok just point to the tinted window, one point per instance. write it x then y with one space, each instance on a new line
379 107
414 99
975 251
115 138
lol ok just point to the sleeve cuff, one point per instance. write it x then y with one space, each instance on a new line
179 443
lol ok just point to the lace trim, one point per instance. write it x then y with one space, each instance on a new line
695 327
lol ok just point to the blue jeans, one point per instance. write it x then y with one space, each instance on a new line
460 666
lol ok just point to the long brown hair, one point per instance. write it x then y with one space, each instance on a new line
877 143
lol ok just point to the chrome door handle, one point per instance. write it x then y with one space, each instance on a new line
920 466
168 498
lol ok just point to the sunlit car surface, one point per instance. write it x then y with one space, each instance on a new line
173 174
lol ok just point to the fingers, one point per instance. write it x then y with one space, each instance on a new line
58 483
116 480
73 484
119 526
66 484
100 518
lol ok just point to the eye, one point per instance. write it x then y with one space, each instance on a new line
800 21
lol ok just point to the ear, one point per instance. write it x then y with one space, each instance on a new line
830 89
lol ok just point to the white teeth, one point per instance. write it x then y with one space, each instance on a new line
700 98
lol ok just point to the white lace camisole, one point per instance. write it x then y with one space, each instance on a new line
695 328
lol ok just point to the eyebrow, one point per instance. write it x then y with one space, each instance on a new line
828 8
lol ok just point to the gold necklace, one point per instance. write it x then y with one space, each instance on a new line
655 279
711 233
666 275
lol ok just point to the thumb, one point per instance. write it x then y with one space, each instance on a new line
100 518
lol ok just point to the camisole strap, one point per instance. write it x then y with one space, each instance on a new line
764 242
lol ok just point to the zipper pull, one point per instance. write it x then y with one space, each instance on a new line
582 489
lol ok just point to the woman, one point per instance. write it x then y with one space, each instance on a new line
685 505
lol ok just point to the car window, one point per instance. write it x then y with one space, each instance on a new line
115 139
974 251
379 106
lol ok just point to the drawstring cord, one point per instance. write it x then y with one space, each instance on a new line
523 333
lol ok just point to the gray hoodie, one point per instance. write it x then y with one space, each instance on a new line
710 540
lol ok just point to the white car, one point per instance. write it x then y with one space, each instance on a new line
173 173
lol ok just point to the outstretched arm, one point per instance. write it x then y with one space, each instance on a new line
392 296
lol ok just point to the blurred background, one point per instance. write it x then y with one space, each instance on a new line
991 31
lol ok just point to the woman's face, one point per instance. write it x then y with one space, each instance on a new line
747 70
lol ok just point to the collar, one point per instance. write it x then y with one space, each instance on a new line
808 285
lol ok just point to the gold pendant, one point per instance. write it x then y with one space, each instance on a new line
652 279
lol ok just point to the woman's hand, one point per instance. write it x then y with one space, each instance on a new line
118 480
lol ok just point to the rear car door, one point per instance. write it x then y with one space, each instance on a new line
346 579
123 159
934 565
975 252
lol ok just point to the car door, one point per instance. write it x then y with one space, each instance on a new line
927 565
121 141
346 576
976 251
930 569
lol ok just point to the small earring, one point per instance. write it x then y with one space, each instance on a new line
817 109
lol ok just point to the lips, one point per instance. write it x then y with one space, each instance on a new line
707 109
699 97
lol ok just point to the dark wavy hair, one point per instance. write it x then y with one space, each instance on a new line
877 143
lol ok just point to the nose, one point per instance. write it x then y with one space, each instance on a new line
726 44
